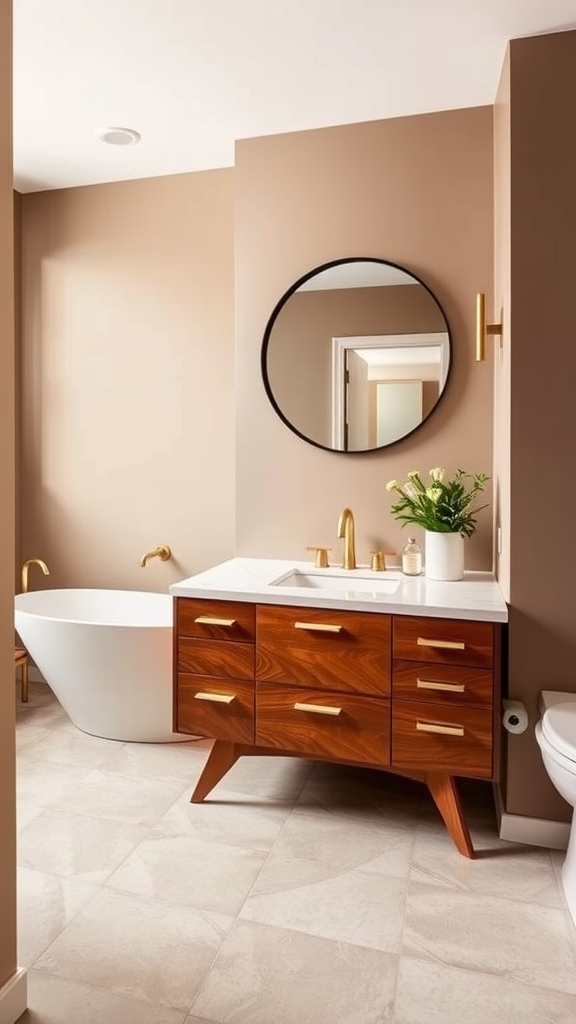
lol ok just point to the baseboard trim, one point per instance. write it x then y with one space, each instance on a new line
14 997
517 828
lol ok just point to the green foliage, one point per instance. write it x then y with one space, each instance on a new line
445 506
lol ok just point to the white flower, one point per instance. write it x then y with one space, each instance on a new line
437 474
393 485
410 490
434 493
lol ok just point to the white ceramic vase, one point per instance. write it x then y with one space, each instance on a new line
444 556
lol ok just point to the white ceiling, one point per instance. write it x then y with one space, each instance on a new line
194 75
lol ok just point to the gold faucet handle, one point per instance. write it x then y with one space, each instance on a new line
321 559
378 560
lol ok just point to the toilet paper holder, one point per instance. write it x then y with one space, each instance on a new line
514 716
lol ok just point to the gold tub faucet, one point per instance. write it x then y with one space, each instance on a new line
26 566
162 552
346 530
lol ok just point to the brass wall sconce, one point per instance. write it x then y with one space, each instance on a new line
483 329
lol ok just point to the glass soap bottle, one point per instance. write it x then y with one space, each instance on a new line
411 558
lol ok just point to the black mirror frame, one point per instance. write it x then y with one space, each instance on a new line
268 333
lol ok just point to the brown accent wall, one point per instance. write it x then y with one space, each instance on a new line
542 410
413 190
7 754
127 431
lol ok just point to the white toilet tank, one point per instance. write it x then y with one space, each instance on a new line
548 698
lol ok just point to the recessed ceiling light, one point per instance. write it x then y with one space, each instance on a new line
119 136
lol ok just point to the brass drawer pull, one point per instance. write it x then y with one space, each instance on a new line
435 684
217 698
318 709
320 627
445 730
210 620
453 645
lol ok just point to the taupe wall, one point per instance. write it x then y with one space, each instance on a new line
542 408
416 191
127 429
7 755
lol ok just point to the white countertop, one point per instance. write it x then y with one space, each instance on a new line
477 596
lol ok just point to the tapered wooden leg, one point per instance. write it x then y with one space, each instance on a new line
221 758
445 795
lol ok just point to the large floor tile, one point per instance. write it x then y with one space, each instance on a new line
190 872
361 794
180 761
46 904
120 798
57 1001
497 869
337 903
235 818
523 942
376 848
45 784
269 975
76 846
431 993
139 948
274 778
65 744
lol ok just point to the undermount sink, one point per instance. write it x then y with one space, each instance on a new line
346 580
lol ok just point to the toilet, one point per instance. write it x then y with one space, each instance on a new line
556 736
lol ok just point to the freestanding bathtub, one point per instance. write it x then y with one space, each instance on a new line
107 656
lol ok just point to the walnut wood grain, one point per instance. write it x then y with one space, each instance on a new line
447 684
232 721
359 733
477 639
468 754
213 657
355 659
188 609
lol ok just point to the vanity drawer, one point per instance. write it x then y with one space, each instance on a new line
323 724
443 641
438 737
449 684
326 649
222 708
215 658
215 620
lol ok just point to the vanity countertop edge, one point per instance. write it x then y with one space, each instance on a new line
477 597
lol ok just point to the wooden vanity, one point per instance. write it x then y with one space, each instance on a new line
416 695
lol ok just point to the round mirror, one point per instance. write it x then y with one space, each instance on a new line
356 355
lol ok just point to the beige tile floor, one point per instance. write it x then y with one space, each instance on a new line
299 893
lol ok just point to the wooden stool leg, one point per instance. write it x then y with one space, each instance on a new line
445 795
24 690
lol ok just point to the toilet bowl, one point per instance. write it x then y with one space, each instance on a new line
556 736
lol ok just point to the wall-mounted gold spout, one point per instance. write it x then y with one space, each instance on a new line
162 552
346 530
26 566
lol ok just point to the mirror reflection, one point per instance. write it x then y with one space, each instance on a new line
356 355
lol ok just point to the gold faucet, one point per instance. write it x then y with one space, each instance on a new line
162 552
26 566
346 530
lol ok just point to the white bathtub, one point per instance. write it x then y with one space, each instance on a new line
107 655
